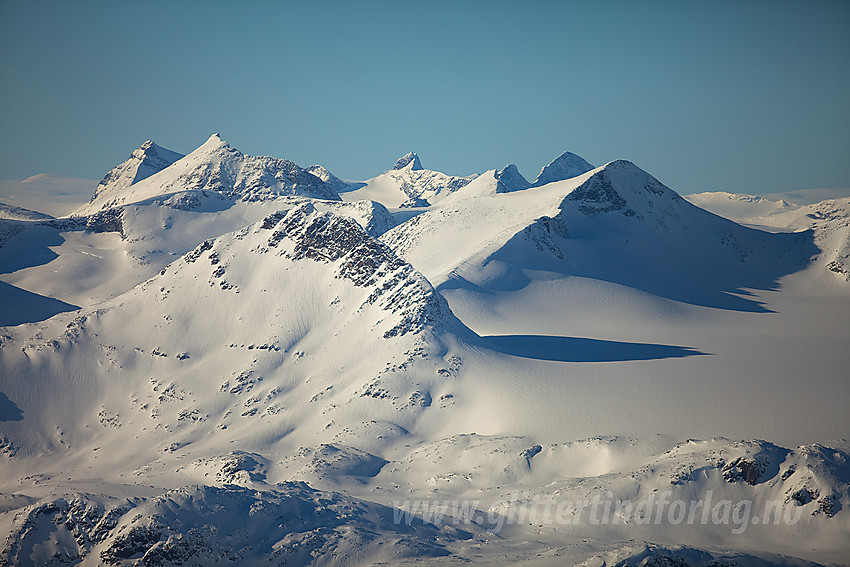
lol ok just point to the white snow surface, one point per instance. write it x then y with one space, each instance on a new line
47 194
207 368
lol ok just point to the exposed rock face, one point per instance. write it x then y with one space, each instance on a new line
741 469
621 186
542 231
107 220
398 288
410 160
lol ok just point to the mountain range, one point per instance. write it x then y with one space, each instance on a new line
227 359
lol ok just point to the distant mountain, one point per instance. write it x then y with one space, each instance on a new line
511 179
11 212
332 180
408 184
738 207
652 239
829 219
565 166
214 166
410 160
143 162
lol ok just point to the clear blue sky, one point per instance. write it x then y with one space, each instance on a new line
740 96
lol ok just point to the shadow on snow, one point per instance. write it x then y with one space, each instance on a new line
576 349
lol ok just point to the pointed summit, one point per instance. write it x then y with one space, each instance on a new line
511 179
214 142
621 186
565 166
143 162
410 160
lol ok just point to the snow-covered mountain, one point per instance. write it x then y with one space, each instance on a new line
277 298
565 166
214 166
511 179
223 363
332 180
142 163
829 220
407 184
10 212
738 207
653 239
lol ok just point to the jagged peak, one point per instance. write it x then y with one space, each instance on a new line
320 171
409 160
565 166
150 150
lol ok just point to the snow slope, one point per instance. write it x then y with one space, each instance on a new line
828 219
11 212
738 207
195 526
142 163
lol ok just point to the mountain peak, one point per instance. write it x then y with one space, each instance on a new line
410 160
511 179
621 185
214 142
144 161
151 152
565 166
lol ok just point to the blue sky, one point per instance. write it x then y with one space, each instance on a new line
739 96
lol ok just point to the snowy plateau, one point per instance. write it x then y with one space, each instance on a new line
224 359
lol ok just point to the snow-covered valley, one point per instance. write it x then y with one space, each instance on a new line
226 359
